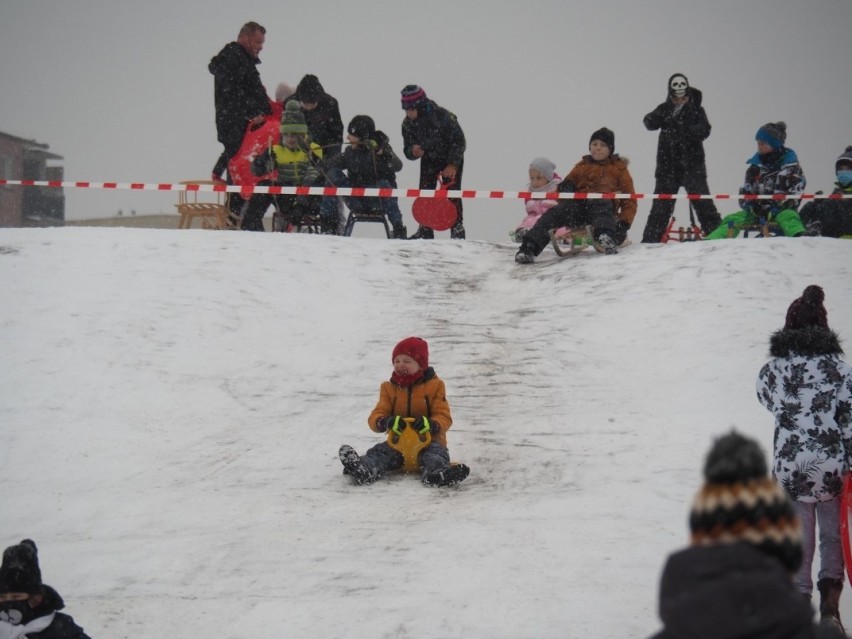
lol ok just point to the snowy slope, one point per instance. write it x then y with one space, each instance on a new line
172 404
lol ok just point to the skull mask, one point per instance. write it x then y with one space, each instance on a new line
678 85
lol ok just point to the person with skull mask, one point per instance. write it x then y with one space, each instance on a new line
683 127
29 608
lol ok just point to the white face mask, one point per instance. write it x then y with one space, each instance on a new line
679 86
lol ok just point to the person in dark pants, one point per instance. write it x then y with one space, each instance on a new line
601 171
433 135
833 218
683 127
239 96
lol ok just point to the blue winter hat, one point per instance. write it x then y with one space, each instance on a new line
774 134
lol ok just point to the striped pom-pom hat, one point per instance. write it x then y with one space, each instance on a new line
740 503
413 97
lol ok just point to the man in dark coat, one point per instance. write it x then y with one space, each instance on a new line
239 95
683 127
322 115
29 608
433 135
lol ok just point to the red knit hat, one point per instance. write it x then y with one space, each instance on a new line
808 310
416 348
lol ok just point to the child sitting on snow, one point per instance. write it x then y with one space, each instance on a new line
414 390
543 179
833 218
773 170
295 160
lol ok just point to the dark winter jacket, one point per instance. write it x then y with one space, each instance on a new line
324 122
238 93
732 591
808 388
769 174
62 626
834 217
425 398
437 132
680 148
366 166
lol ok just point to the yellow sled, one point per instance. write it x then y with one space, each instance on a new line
409 443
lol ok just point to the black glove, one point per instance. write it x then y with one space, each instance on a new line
621 228
566 186
384 424
422 425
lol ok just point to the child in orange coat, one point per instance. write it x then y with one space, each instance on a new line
415 391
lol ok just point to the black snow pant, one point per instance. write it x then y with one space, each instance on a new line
381 458
661 210
573 214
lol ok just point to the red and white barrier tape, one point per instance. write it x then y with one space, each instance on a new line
412 193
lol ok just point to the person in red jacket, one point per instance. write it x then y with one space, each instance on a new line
415 391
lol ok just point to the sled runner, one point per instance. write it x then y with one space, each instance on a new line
568 242
437 213
845 524
691 233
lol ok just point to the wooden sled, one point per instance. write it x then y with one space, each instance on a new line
568 242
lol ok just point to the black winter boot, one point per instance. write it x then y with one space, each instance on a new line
526 254
354 467
449 476
399 231
829 602
423 233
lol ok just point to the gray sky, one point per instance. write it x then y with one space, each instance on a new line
121 89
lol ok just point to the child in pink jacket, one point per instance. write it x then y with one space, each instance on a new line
543 179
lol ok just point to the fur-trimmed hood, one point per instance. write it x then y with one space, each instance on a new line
809 342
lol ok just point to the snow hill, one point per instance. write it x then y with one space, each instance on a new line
173 401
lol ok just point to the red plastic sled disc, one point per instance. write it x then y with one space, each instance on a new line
437 214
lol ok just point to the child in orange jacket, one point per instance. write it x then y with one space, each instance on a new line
415 391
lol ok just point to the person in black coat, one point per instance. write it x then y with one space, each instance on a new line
735 578
239 96
27 606
432 134
683 127
322 115
368 161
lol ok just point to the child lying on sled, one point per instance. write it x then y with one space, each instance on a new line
414 391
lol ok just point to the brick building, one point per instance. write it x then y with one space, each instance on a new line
22 159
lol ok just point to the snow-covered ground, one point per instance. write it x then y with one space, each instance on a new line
173 401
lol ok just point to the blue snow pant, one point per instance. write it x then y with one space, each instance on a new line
381 458
573 214
387 205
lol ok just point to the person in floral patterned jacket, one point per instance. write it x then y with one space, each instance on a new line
808 387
